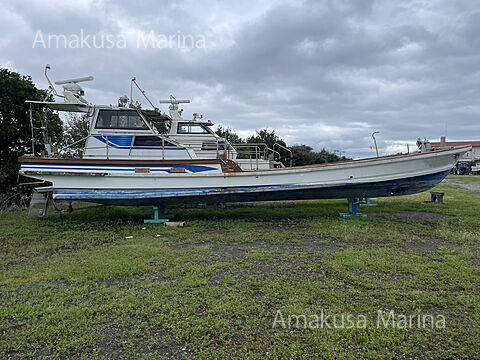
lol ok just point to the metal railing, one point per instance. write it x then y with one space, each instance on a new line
285 149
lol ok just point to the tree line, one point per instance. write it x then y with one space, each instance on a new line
301 154
15 131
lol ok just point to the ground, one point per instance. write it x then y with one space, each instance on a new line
213 289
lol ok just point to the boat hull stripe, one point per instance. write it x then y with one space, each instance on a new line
190 168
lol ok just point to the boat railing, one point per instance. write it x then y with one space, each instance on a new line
287 150
252 151
233 151
74 143
263 152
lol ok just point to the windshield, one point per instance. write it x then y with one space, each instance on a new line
120 119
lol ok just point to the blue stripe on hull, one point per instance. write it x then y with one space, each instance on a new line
131 168
398 187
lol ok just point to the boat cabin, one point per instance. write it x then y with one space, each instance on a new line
117 132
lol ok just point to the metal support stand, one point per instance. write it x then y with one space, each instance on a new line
159 216
352 210
365 202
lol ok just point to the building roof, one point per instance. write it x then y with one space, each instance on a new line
456 143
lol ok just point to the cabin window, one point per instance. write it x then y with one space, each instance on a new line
191 128
151 141
120 119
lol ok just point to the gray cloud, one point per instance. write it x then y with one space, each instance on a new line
326 74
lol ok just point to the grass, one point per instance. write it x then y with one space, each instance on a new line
79 289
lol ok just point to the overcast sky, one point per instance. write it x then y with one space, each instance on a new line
323 73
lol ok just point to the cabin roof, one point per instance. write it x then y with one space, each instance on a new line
155 115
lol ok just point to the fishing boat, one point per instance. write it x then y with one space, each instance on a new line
137 157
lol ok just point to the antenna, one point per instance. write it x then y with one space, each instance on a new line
74 81
134 81
375 140
52 88
174 112
72 92
174 102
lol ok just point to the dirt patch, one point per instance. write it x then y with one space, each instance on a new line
161 344
382 276
413 215
110 344
428 247
38 354
235 251
466 186
476 258
418 215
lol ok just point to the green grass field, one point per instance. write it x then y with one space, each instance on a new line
79 289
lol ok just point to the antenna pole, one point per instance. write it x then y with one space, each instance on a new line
375 140
31 125
52 88
134 81
131 91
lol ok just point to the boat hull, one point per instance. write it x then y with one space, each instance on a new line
389 188
124 185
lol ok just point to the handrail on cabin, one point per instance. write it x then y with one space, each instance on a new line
286 149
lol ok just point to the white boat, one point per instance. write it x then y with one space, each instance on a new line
127 160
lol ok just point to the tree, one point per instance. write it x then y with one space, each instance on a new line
15 130
77 128
265 136
304 155
229 134
301 154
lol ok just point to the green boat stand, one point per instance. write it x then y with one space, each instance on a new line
365 202
352 210
159 216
